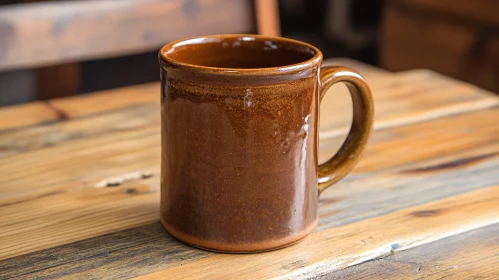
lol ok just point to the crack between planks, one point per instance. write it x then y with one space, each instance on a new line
22 200
381 252
80 259
398 249
61 115
448 269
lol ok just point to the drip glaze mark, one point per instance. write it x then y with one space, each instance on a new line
248 98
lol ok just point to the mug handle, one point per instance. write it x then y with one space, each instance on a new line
345 159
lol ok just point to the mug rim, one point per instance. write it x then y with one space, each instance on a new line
299 67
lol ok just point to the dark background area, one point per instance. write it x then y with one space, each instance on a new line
304 20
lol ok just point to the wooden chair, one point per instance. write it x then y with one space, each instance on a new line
51 36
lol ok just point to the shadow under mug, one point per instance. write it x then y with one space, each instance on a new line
240 115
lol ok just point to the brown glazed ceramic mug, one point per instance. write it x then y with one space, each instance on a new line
240 116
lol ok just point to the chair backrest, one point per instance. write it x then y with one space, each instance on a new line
35 34
52 32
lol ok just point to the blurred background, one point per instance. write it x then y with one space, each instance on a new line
51 49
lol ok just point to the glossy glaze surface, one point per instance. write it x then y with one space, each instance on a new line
239 141
240 52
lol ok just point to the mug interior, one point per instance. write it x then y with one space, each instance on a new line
239 52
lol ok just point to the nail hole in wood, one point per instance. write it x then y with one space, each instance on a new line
130 191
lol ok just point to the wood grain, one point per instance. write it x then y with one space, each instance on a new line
63 109
144 249
122 254
50 32
400 99
107 101
403 98
338 248
26 114
433 163
471 255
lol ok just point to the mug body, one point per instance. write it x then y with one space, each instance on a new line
239 141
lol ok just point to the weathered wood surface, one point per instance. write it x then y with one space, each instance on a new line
471 255
403 98
150 250
71 176
342 247
429 172
26 114
60 31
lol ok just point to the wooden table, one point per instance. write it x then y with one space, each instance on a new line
423 201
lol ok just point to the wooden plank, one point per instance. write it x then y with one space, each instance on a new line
407 97
137 117
400 99
143 249
50 32
158 255
26 114
414 164
107 101
471 255
342 247
63 109
66 177
422 141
